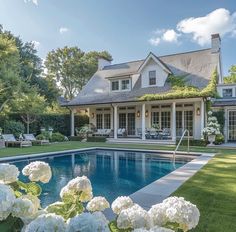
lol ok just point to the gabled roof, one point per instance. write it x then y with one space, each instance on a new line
196 66
157 60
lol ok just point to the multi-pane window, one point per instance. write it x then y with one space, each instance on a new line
107 121
115 85
188 121
99 121
165 119
152 77
227 92
155 118
179 123
232 125
122 120
125 84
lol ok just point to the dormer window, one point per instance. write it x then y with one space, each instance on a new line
115 85
121 85
227 92
152 77
125 84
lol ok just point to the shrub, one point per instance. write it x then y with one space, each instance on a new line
14 127
97 139
219 139
76 138
57 137
43 135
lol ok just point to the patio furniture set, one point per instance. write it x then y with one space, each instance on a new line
27 140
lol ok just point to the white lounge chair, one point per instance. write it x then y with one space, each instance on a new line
10 140
31 137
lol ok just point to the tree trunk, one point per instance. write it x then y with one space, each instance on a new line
28 124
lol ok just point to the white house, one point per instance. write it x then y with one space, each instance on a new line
113 96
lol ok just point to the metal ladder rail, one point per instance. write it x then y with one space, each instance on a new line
177 147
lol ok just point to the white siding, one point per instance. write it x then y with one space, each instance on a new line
161 75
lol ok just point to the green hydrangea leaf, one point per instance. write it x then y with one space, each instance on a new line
113 227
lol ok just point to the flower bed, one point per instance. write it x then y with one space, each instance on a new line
78 210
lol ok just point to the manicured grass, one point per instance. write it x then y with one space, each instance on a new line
77 145
212 189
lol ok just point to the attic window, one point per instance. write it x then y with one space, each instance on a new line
125 84
152 77
115 85
227 92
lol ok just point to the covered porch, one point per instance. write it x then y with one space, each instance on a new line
147 122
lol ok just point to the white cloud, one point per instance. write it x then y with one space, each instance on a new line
164 35
170 36
35 2
218 21
63 30
36 43
154 41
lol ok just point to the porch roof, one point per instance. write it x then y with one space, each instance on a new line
196 66
224 102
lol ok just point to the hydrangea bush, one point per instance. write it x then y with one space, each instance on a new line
78 210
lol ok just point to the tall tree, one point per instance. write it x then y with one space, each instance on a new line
9 70
232 75
71 68
29 106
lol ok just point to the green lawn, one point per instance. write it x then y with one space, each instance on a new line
212 189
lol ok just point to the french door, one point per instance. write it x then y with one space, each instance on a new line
127 121
232 125
184 120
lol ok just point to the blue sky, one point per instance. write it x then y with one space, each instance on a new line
128 29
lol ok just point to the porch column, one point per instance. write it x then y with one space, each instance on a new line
202 117
173 124
143 122
72 122
115 122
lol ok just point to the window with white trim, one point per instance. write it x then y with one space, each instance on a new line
99 119
152 77
115 85
228 92
125 84
155 118
107 121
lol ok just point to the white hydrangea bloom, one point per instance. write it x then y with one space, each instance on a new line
22 208
182 212
8 173
7 199
134 217
98 204
38 171
46 222
121 203
154 229
78 185
157 214
35 200
88 222
209 113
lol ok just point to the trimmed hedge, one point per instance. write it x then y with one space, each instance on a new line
193 142
59 122
76 138
97 139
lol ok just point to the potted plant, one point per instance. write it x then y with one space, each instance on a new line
212 129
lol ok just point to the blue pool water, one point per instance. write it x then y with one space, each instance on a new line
112 173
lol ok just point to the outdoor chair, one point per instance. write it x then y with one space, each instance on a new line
165 134
31 137
11 141
121 132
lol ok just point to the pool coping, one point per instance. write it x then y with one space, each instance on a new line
45 154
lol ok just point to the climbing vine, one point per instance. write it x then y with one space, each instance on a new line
180 90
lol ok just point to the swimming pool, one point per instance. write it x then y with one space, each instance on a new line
112 172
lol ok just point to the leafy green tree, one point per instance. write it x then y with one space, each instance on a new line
10 81
29 106
71 68
232 75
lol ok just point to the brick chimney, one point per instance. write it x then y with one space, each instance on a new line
102 63
215 43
